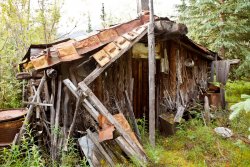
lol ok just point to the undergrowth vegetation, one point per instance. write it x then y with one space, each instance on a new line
197 145
234 90
25 154
28 154
193 145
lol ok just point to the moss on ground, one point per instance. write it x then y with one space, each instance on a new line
197 145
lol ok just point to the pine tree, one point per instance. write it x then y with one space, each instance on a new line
221 25
103 16
89 24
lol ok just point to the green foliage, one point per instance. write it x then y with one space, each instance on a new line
72 156
243 106
234 89
197 145
25 154
142 126
154 153
222 26
107 18
89 25
20 26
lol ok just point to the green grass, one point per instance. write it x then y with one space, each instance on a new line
197 145
234 89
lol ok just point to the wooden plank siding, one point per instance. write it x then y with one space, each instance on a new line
118 77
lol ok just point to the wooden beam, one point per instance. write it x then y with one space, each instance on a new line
170 28
103 110
151 74
192 49
94 74
30 111
234 61
86 103
38 104
100 148
132 115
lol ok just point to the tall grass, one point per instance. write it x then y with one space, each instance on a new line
25 154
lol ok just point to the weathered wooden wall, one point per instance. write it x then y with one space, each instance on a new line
131 74
110 86
193 78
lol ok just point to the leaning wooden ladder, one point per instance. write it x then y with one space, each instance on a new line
93 105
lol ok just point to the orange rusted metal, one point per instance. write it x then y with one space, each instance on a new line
43 56
10 123
106 134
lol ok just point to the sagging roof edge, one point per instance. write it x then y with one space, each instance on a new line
133 23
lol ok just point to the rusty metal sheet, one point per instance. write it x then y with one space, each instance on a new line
40 62
124 28
88 44
125 125
67 52
134 33
10 123
106 134
108 35
106 131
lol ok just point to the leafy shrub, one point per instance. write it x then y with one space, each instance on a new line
25 154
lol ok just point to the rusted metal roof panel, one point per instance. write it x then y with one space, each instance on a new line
117 37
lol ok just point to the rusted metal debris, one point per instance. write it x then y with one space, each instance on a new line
10 122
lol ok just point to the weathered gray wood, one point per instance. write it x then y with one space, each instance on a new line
71 87
102 109
170 28
212 72
99 146
88 106
125 146
222 96
37 104
30 111
179 80
94 74
179 114
234 61
51 73
151 74
57 117
65 113
131 114
194 50
74 119
41 111
86 103
87 147
206 110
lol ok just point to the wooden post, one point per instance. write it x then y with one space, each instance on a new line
30 111
151 74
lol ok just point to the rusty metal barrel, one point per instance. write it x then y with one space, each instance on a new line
11 121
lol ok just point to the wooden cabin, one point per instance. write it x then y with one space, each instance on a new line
110 70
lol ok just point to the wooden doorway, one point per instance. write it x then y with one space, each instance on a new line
140 91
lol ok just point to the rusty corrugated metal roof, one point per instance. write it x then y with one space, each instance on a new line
46 55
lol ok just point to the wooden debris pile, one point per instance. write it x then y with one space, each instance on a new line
61 105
